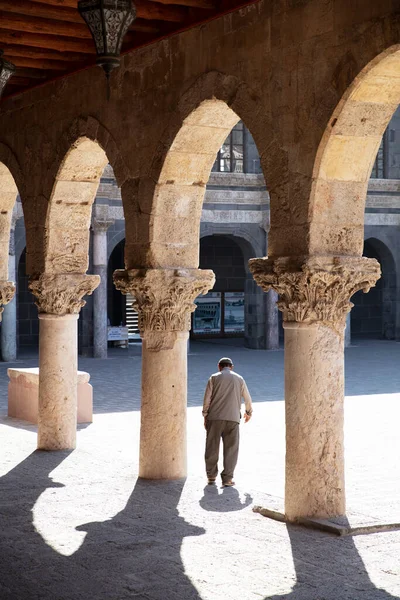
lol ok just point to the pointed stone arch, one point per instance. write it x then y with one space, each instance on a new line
163 219
346 155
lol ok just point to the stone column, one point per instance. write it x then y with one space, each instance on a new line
164 300
272 321
100 227
59 300
314 299
347 332
9 317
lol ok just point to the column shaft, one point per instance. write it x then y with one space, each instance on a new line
9 320
100 331
163 411
347 332
272 321
58 363
314 398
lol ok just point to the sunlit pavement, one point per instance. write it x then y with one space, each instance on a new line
80 526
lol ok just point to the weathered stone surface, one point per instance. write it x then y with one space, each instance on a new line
316 289
7 291
164 298
58 367
62 294
315 300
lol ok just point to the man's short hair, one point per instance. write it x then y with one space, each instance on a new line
225 362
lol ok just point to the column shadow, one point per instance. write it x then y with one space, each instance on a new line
134 555
328 568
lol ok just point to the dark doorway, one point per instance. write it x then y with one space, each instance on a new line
374 314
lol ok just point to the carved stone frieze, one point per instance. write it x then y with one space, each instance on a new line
164 298
61 294
7 291
316 288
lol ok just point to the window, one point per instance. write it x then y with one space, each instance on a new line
379 170
230 157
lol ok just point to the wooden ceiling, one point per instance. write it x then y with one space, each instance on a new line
46 39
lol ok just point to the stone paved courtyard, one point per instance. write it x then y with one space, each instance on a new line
80 525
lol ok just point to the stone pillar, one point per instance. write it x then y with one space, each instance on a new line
347 332
59 300
272 321
314 299
100 335
9 317
164 300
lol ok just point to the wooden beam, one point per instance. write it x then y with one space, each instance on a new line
33 73
207 4
27 24
37 9
145 9
62 44
42 64
37 53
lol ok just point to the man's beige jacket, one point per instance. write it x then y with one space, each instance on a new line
223 396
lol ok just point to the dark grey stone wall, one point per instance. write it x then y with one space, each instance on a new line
375 314
225 257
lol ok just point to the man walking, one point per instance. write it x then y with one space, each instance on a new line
221 412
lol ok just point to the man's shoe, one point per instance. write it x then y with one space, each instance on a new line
228 483
211 480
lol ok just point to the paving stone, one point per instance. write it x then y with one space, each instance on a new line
81 526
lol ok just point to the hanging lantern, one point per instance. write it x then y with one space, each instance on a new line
6 70
108 21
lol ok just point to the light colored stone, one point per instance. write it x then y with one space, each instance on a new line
164 300
314 393
58 367
163 405
23 395
315 301
62 294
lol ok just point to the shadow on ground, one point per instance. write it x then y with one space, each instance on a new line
137 553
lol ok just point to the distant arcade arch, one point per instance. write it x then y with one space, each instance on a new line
374 314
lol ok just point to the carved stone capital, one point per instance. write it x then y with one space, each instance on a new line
316 288
61 294
164 298
7 291
100 226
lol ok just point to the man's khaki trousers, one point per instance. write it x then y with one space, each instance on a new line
229 432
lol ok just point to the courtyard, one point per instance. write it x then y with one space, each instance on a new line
79 525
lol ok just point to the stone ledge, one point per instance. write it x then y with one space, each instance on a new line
352 524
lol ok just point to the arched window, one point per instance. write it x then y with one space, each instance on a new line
230 158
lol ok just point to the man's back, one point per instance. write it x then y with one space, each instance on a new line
227 390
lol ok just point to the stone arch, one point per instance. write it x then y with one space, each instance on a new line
346 155
93 130
113 243
70 207
169 200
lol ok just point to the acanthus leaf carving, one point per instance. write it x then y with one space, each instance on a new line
61 294
316 288
7 292
164 298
